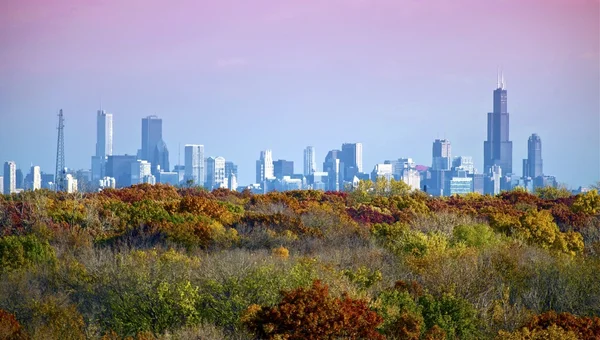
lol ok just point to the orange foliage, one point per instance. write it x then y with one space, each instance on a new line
10 328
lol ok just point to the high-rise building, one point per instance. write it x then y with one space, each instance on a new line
104 134
119 167
104 144
493 180
351 158
334 167
497 149
194 164
36 178
231 168
282 168
232 182
310 161
70 184
20 179
215 173
140 171
2 184
264 167
382 170
533 165
154 149
441 154
463 163
10 177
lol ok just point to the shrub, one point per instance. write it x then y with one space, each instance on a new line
314 314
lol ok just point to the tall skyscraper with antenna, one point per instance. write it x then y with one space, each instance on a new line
59 175
497 149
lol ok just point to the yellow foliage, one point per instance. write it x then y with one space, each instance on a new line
281 252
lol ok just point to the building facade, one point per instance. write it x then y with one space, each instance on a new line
283 168
441 154
264 167
533 165
215 173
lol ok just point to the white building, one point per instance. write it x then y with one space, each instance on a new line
382 170
264 167
104 143
139 171
10 177
70 184
36 178
232 182
411 177
107 182
215 173
194 164
310 161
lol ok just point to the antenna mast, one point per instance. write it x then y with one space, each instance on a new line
59 175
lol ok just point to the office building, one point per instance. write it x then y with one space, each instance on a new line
264 167
107 183
310 160
458 186
171 178
20 179
283 168
70 183
154 149
441 154
382 170
10 177
232 181
231 168
334 167
140 171
497 149
194 164
351 159
493 183
36 178
104 144
215 173
411 177
463 163
533 165
119 167
478 183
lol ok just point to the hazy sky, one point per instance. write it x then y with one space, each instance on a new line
243 76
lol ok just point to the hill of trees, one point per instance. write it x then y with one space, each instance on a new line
380 262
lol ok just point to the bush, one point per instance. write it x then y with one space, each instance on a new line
314 314
21 252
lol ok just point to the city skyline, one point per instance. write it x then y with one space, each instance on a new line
393 75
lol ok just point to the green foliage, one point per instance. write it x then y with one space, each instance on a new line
363 277
22 252
478 235
552 193
456 316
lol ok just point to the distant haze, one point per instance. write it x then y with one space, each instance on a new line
244 76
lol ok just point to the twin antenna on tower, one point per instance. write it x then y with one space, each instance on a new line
501 83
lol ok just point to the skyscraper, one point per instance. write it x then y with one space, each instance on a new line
310 162
104 134
10 177
441 154
194 163
497 149
104 144
264 166
154 149
151 135
231 168
334 167
533 165
351 158
215 173
36 178
283 168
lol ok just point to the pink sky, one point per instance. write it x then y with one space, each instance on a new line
430 61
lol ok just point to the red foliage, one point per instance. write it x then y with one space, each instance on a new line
10 328
369 215
314 314
584 327
277 222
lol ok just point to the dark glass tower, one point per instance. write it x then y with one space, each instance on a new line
497 149
154 149
534 156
